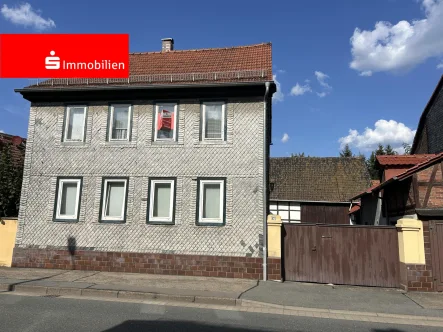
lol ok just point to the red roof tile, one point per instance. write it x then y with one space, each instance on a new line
216 65
18 147
392 160
410 171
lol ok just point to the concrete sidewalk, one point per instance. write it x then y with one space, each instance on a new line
220 291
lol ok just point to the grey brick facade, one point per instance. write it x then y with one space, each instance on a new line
240 159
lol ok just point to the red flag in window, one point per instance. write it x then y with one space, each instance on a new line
165 120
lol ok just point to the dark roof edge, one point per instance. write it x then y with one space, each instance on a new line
423 116
306 201
141 87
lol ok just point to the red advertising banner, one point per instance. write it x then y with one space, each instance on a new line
64 55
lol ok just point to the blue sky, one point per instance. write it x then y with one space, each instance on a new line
375 84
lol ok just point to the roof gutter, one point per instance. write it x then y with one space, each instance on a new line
137 87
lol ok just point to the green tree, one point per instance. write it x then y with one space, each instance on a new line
11 174
346 152
407 147
295 155
370 164
380 150
389 150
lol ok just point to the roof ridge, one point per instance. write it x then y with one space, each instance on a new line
203 49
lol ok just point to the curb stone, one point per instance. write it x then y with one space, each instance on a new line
243 305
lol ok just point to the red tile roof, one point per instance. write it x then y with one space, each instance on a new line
216 65
354 209
18 147
428 162
394 160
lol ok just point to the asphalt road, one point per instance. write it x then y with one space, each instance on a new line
33 314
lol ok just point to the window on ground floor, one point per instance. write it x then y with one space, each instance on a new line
114 196
211 201
288 211
161 208
67 204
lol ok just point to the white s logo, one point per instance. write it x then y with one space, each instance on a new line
52 62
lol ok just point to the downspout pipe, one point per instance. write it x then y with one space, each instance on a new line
265 183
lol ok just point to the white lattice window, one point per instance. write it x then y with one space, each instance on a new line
213 121
120 122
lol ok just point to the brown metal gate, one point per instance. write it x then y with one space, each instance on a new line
437 253
341 254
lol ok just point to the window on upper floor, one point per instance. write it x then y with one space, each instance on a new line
75 123
165 122
120 122
114 194
211 202
213 121
67 203
161 200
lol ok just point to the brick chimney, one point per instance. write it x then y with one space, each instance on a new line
167 44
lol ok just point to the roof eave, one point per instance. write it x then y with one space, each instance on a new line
141 87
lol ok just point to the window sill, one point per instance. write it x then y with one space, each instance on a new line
163 143
65 221
160 223
209 144
210 224
112 222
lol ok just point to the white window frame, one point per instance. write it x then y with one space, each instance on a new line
67 117
202 220
174 133
105 203
223 104
111 122
61 182
153 183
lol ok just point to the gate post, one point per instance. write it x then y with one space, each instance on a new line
411 254
274 247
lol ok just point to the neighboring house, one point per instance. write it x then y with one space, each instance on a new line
314 189
395 196
14 147
429 135
18 147
159 173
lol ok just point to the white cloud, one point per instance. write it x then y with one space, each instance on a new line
26 16
440 66
401 46
1 131
322 94
366 73
321 78
278 95
281 71
384 132
285 138
300 90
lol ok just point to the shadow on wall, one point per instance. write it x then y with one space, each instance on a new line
72 246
